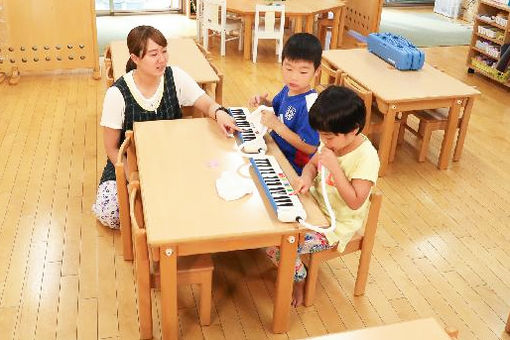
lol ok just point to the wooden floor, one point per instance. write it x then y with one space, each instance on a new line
442 247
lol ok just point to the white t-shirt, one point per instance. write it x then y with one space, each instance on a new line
186 88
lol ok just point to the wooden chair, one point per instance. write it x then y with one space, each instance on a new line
108 66
363 243
374 118
325 24
214 18
196 269
268 27
127 148
328 75
430 121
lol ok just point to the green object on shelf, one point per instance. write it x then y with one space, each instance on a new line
490 71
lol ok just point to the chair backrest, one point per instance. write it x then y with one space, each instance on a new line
272 28
214 14
363 16
372 218
328 75
122 194
364 94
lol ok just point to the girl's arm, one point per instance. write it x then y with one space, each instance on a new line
307 175
353 192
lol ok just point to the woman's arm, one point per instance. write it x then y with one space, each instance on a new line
207 105
111 138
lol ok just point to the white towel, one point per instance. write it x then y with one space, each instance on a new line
231 186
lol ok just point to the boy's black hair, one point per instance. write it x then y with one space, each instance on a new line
303 46
337 110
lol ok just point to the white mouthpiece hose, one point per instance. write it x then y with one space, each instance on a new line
328 208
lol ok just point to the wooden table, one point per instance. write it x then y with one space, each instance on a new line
296 9
400 91
183 53
179 162
422 329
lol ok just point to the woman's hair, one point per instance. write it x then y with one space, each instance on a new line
137 40
337 110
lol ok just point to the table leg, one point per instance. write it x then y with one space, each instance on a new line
168 271
385 140
334 29
248 21
463 128
284 282
449 134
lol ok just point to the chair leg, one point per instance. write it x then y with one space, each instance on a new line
143 291
255 46
241 34
205 38
205 298
425 141
362 275
223 43
311 280
402 129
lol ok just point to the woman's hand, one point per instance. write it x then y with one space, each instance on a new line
226 122
269 119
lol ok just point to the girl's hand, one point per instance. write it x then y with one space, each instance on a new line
258 100
328 159
269 119
303 184
226 122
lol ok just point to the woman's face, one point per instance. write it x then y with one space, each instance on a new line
154 61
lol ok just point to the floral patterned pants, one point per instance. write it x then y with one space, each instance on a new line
106 207
313 242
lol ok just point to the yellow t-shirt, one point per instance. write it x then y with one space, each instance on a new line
361 163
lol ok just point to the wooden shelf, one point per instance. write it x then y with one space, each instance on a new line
491 23
488 8
496 5
488 75
499 42
484 53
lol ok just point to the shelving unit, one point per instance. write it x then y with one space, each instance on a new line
490 31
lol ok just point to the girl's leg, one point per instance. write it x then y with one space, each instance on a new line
106 207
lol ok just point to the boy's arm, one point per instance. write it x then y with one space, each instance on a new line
293 138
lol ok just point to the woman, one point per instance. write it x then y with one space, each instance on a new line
150 90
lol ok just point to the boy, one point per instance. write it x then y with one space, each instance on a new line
352 167
290 127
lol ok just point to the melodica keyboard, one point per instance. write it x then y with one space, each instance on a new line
249 133
280 193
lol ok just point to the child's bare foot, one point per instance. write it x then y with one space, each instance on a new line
298 293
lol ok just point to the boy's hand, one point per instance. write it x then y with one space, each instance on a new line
258 100
328 159
303 184
269 119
